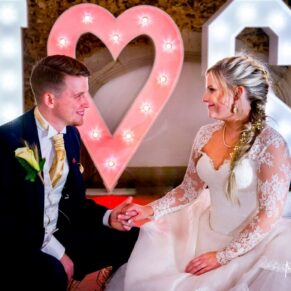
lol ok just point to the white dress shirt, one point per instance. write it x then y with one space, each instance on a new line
52 195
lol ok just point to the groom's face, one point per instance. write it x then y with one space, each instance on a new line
72 101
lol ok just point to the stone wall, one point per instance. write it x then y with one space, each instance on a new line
189 15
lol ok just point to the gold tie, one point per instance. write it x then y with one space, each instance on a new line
57 167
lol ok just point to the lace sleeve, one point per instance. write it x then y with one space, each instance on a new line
190 187
273 173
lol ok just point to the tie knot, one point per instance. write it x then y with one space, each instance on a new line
58 141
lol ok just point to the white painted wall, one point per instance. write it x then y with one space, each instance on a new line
169 141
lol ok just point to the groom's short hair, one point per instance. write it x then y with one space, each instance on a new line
49 73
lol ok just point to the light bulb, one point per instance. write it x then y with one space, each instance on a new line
111 163
144 20
8 81
87 18
63 42
96 134
246 13
277 20
169 46
163 79
8 14
146 108
8 47
115 37
128 136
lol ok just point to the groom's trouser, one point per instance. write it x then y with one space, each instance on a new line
92 250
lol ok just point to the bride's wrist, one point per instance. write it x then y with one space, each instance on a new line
222 258
149 211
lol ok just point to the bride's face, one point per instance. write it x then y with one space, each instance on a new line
219 100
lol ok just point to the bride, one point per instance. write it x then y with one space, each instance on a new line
221 229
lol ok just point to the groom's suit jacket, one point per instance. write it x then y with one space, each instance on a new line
22 201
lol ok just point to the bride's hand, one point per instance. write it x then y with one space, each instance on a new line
135 215
202 264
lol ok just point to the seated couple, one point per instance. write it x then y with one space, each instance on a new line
221 229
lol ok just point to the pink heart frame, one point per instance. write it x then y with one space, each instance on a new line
111 153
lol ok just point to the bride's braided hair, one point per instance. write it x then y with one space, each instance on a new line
244 70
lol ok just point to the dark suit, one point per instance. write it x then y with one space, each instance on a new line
89 243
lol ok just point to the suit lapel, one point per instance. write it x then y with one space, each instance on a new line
30 130
73 156
31 136
69 147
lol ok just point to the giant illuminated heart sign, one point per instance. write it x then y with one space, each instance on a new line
111 153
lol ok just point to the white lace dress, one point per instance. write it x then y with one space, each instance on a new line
253 240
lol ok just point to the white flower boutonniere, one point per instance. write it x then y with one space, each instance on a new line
29 158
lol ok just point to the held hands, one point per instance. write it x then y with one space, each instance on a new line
114 220
202 264
127 214
135 215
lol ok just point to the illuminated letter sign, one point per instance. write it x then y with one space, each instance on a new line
274 17
220 31
13 16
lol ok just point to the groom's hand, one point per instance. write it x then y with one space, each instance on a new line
115 222
136 215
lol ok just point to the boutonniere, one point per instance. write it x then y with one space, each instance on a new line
81 168
28 157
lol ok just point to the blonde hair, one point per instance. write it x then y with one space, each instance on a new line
244 70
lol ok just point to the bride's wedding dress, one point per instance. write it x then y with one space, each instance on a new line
253 241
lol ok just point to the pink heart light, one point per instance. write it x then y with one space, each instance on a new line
111 153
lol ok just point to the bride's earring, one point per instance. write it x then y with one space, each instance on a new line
234 109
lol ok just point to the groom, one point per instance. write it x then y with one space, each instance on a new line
50 233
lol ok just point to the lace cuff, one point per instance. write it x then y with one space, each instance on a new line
222 258
159 212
